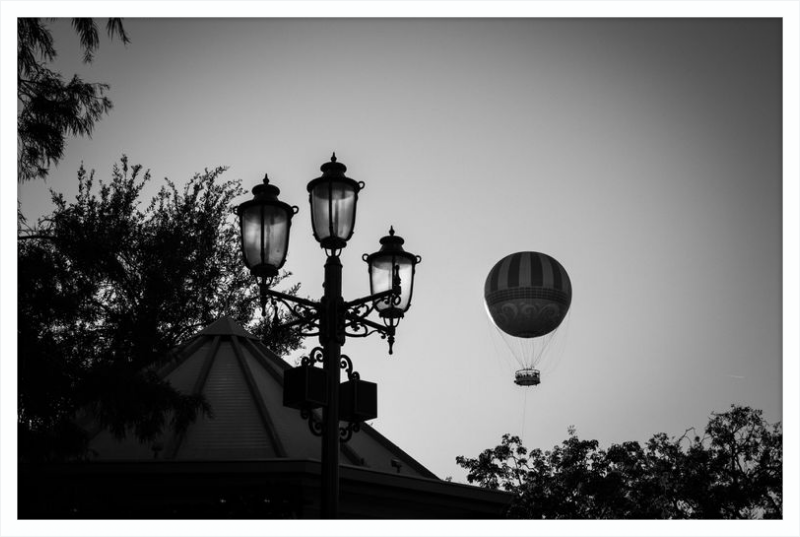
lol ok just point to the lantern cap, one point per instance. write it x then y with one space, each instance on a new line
265 190
333 167
392 241
392 244
334 171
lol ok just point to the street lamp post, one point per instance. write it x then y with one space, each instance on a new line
265 224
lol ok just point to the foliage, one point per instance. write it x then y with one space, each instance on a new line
50 108
108 288
733 471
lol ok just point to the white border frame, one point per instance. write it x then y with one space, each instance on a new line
788 10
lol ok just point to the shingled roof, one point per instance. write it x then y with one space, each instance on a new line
243 382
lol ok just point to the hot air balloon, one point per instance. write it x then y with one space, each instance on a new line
527 295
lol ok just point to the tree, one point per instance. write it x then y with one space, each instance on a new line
50 108
108 288
733 471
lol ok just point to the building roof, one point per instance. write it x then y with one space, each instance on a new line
242 381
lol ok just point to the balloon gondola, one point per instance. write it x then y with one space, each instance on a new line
527 376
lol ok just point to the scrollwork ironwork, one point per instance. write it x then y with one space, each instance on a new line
309 334
303 326
346 433
316 355
347 364
297 310
357 329
390 301
314 423
362 310
304 313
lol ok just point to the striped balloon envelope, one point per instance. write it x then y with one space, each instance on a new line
527 294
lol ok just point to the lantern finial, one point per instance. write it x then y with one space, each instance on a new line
333 157
391 231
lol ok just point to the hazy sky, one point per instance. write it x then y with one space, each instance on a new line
644 155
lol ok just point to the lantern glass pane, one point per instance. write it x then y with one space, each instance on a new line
265 232
381 280
333 208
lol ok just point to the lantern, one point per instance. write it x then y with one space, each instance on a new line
333 198
392 262
265 223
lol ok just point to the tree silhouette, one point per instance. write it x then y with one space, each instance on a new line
108 287
50 108
734 471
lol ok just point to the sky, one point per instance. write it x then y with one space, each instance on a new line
645 155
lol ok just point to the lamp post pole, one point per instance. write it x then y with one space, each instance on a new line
332 342
265 223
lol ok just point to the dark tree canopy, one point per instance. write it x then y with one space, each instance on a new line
733 471
108 286
50 107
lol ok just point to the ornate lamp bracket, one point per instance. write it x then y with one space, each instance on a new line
314 421
346 433
316 356
347 364
356 312
305 312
